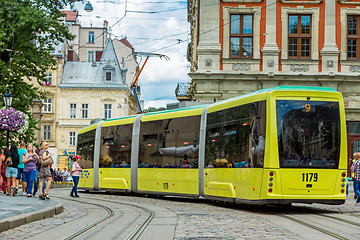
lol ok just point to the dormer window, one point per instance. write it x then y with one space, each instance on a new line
108 76
108 71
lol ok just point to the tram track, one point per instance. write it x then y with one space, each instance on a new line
141 227
135 234
294 219
328 216
335 221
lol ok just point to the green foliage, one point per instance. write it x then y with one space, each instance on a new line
153 109
29 31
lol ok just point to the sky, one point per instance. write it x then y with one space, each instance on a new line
156 26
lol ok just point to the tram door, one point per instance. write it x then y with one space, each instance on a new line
353 131
353 147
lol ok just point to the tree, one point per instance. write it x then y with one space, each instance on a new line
154 109
30 29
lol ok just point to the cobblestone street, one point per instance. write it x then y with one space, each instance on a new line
196 219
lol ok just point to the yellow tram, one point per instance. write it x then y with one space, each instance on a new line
275 146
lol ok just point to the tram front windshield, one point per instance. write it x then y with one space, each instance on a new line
308 134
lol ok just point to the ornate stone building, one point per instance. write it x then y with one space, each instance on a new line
84 87
240 46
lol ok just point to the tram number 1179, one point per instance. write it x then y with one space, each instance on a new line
308 177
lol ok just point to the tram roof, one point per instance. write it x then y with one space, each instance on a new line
197 110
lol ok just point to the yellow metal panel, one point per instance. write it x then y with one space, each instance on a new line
86 178
115 178
236 102
242 183
87 129
172 114
121 121
301 184
185 181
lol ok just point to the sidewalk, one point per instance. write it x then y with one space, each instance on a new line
19 210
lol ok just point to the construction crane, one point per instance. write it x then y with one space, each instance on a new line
147 55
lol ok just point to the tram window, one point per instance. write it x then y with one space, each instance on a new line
237 139
173 144
308 139
85 149
115 148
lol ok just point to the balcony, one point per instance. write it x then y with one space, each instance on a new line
182 91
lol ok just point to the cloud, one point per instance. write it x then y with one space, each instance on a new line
165 32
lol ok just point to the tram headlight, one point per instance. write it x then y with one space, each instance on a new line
343 180
271 179
342 185
271 184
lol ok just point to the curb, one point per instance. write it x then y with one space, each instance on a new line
25 218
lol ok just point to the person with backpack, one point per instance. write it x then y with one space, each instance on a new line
11 163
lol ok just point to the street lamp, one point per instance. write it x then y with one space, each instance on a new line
8 97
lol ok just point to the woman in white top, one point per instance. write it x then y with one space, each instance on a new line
75 169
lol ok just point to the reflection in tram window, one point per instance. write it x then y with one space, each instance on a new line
236 137
308 133
115 146
85 149
170 143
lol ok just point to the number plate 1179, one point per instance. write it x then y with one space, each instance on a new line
309 177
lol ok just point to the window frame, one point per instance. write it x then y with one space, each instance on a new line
48 79
47 133
72 138
299 36
91 37
84 109
91 54
108 76
107 111
46 105
353 37
242 35
72 110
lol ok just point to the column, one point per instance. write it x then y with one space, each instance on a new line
271 50
330 51
209 48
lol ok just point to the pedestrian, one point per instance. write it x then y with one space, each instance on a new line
44 172
65 175
29 159
3 169
20 174
11 170
355 168
38 165
75 169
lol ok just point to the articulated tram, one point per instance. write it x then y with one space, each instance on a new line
275 146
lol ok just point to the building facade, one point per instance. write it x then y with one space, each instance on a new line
80 91
240 46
